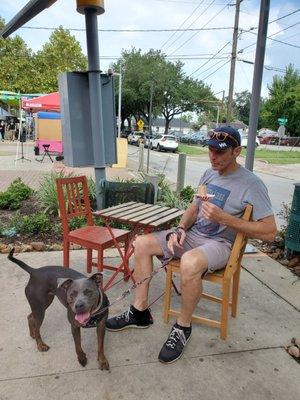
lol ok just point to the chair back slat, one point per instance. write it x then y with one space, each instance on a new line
73 200
238 246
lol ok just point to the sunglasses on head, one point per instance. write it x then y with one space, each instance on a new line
222 136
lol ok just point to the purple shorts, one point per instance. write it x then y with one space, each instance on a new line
216 251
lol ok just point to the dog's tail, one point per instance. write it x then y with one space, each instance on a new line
19 262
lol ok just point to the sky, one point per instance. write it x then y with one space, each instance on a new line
198 50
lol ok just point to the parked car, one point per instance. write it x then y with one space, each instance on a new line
135 138
197 138
244 140
164 142
147 138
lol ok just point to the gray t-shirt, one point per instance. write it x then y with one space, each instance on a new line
232 193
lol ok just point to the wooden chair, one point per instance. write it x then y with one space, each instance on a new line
73 201
230 274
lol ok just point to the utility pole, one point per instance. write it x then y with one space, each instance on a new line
233 58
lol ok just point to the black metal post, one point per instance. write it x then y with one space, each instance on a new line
257 79
95 98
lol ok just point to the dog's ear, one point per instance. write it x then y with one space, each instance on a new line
97 278
64 283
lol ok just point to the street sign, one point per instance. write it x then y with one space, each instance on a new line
282 121
140 124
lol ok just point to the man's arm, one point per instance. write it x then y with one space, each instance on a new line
189 216
264 229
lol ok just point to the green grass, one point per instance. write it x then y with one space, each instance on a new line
277 157
269 156
192 150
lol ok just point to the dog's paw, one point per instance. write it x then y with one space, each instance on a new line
82 359
103 364
43 347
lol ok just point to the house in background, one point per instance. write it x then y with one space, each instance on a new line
158 125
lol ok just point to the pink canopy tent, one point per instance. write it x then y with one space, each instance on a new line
49 102
47 126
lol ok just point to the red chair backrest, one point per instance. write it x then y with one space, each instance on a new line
73 200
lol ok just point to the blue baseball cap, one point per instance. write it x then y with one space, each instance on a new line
224 142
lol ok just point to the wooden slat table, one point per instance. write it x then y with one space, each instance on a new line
143 218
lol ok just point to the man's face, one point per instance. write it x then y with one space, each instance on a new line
222 159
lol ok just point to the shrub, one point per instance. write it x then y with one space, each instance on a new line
47 193
285 213
170 198
31 224
17 192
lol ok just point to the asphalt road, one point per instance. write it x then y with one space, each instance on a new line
280 188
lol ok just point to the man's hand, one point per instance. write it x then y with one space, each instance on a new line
176 239
212 212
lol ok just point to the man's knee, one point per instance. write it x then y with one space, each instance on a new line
193 265
143 245
147 245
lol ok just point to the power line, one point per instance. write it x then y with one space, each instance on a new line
268 67
212 66
284 16
174 41
202 27
129 30
215 70
212 58
268 37
166 41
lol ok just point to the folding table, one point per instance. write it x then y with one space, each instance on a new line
143 218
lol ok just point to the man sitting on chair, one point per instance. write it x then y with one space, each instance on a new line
202 239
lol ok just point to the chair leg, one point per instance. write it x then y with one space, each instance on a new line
100 260
66 254
89 259
225 305
235 292
126 264
167 296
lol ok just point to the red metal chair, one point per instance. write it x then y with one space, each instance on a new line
73 201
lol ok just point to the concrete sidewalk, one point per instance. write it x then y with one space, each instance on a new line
251 364
32 172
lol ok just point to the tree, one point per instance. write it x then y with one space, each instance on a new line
61 53
16 68
172 92
241 106
283 101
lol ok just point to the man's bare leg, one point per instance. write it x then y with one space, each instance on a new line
145 247
192 266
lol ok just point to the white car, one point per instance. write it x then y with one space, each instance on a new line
164 142
244 140
135 138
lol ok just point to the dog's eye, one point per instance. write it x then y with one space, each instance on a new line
73 294
87 292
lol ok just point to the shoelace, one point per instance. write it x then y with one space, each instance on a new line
175 336
125 315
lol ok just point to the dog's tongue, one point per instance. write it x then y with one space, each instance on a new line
82 317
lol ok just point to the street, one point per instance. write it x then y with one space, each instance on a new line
280 188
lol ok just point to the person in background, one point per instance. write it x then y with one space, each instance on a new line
2 130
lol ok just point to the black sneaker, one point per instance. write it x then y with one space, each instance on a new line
132 318
173 348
